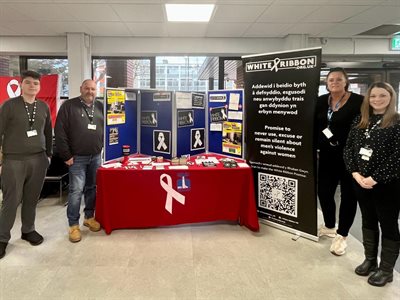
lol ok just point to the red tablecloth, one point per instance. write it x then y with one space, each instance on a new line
137 198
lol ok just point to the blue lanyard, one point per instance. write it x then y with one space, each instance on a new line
330 110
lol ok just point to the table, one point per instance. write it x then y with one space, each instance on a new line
137 198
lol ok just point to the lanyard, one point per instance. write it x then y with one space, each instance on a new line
337 105
31 118
368 131
90 115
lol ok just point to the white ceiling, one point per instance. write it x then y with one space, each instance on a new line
231 18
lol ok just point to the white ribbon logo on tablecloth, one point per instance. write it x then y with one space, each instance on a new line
171 193
161 141
224 116
10 91
197 142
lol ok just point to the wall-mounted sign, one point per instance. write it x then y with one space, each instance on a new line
395 43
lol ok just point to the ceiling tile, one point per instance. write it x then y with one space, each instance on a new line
30 28
312 29
89 12
267 30
227 29
334 13
182 29
9 12
345 30
376 15
64 27
237 13
44 12
140 13
286 14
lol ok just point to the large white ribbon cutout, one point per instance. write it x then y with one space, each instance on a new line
198 142
171 193
10 91
161 142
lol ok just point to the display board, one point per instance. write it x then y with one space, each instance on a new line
225 122
190 123
156 134
120 118
281 91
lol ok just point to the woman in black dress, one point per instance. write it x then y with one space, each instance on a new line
372 155
335 113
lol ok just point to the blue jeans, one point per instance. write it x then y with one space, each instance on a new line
82 181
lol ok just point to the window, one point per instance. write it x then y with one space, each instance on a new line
9 66
121 72
46 66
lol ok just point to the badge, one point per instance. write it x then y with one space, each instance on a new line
91 126
31 133
328 133
366 152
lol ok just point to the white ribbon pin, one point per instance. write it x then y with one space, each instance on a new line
10 91
161 140
171 193
198 142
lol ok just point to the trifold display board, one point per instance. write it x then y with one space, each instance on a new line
120 117
225 122
190 123
156 134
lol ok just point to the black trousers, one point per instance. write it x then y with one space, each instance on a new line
331 172
380 206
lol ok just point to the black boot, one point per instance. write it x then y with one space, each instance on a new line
389 255
3 247
370 241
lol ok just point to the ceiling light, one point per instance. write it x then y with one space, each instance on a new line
189 12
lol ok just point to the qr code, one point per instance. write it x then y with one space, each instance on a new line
277 193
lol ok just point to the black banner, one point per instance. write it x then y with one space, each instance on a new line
198 100
185 118
148 118
280 93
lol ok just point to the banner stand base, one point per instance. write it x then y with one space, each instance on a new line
291 230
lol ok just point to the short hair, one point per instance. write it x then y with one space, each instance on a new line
30 73
340 70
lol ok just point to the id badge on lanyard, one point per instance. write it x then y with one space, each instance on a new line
365 153
31 133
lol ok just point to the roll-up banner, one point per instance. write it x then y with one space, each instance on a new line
280 92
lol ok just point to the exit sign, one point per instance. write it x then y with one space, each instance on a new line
395 43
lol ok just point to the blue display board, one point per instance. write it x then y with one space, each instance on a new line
156 134
117 135
191 125
225 122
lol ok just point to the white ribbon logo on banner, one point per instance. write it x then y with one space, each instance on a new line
275 66
161 140
153 119
224 116
190 117
198 142
171 193
10 91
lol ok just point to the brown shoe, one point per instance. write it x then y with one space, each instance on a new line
92 224
74 233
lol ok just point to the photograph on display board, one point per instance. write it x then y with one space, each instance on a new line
115 107
198 100
217 98
113 136
162 96
232 138
185 118
218 114
162 141
197 139
149 118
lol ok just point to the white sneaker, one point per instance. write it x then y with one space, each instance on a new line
339 245
325 231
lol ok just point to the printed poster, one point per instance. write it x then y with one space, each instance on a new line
115 107
232 138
